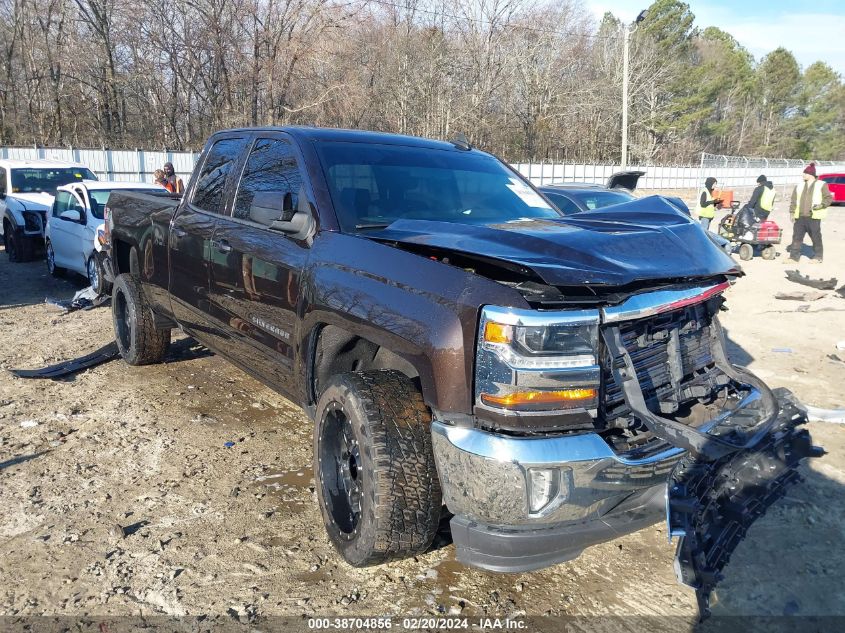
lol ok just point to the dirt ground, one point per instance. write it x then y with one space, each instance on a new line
234 531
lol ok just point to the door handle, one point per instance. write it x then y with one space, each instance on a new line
222 246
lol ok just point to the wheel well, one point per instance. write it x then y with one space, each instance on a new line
122 259
337 351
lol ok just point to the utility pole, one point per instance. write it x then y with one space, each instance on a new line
625 98
628 28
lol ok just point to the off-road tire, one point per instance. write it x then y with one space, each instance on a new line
401 500
55 271
138 340
746 252
768 253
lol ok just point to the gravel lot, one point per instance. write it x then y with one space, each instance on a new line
118 495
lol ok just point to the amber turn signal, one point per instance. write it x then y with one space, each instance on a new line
497 333
567 397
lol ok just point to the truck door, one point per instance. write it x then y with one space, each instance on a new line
255 270
192 231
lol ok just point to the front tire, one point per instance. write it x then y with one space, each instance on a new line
377 483
138 340
768 253
19 249
746 252
96 275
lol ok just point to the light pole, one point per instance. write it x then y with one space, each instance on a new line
628 30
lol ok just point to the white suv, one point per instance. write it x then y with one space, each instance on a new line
27 188
76 222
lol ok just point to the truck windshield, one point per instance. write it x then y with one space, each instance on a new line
47 179
374 185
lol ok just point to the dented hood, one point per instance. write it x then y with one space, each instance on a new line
645 239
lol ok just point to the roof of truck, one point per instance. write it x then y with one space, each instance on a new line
305 133
19 163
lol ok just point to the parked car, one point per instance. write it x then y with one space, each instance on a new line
836 184
27 188
578 197
75 225
574 197
461 343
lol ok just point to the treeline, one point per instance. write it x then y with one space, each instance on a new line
528 79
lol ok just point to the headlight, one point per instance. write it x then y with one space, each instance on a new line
535 361
32 220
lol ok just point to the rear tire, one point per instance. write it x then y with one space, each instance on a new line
377 483
768 252
50 255
138 340
746 252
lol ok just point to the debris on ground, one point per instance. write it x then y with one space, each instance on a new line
64 369
782 350
818 284
816 414
85 299
800 296
841 291
840 345
834 358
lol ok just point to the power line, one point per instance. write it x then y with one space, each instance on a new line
466 18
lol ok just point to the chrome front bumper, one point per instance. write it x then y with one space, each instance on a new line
485 476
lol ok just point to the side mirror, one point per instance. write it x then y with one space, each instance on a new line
300 226
71 215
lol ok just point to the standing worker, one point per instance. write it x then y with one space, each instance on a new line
809 207
173 183
707 204
763 198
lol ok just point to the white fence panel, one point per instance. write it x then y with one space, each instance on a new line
732 172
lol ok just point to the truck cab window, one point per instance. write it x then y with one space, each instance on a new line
212 179
271 173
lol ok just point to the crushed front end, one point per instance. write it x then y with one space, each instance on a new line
582 418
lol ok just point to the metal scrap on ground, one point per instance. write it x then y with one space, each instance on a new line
64 369
85 299
818 284
800 296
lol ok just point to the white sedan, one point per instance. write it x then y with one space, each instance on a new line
72 226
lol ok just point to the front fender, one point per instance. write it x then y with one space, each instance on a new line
14 214
424 311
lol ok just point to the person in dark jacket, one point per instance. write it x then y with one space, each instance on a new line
707 204
762 200
808 208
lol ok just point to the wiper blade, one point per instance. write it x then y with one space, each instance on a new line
372 226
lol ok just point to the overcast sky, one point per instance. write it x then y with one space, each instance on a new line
813 30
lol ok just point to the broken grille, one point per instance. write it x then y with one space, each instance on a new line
671 353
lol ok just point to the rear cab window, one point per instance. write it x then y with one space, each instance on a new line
210 191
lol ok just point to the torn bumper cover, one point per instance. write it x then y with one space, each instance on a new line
711 504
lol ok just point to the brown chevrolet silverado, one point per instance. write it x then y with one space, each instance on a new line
464 349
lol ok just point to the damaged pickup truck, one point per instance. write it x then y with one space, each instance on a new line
551 382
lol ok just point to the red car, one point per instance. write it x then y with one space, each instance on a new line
836 184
